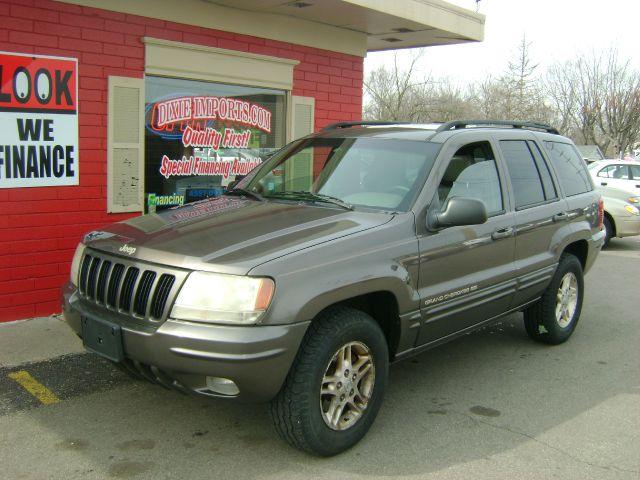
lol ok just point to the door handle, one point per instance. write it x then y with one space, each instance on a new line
604 184
502 233
559 217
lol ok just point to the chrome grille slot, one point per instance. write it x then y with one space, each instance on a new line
84 272
126 292
92 277
127 287
102 281
143 291
114 285
161 294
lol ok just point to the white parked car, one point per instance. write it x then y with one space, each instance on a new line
622 174
621 213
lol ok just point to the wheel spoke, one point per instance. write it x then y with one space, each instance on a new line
354 407
330 389
558 310
347 356
337 412
363 371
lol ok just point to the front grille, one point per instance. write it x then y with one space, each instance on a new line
133 289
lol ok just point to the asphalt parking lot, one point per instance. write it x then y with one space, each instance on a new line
491 405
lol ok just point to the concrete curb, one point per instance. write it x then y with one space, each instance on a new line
36 339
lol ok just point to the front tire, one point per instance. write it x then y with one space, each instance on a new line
608 230
554 317
336 384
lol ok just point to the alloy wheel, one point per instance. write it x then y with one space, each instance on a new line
566 299
347 386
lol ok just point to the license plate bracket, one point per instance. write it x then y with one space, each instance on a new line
102 337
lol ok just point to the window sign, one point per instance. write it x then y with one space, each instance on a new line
200 136
38 121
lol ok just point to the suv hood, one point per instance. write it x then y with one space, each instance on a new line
229 234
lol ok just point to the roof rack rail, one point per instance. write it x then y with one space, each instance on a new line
460 124
362 123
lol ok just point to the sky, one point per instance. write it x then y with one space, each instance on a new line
557 29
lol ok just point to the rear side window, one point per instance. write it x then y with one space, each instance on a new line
615 171
569 166
530 177
635 171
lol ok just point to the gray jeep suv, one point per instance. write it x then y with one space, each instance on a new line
349 249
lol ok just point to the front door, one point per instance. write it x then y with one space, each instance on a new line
466 272
620 176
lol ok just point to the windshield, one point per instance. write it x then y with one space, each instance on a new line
368 172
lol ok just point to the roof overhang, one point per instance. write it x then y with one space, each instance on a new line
349 26
387 24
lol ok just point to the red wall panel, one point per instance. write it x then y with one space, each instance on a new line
39 227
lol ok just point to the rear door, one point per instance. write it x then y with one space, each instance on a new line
466 272
539 213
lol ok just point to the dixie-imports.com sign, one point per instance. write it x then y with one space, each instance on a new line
38 121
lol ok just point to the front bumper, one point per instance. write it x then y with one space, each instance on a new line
627 226
182 354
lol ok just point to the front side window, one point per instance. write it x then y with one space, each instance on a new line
200 136
367 172
615 171
472 173
635 171
570 169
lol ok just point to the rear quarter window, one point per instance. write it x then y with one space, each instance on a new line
570 169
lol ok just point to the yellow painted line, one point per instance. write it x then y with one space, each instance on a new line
34 387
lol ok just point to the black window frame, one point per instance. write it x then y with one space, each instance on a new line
541 162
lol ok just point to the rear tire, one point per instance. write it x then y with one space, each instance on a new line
322 382
554 317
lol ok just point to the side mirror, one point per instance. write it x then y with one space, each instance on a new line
232 184
460 211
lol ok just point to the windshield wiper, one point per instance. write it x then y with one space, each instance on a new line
316 197
249 193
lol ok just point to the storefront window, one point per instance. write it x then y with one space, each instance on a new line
202 135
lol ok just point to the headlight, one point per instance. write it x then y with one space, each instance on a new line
633 200
219 298
632 210
75 263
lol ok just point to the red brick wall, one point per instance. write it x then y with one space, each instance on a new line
40 227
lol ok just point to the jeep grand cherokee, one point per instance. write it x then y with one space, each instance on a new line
348 249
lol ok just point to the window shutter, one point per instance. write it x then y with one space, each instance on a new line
125 145
303 116
298 173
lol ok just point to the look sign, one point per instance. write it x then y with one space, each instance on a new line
38 121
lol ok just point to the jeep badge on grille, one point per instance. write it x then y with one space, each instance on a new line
127 249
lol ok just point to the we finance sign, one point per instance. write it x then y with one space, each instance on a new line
38 121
